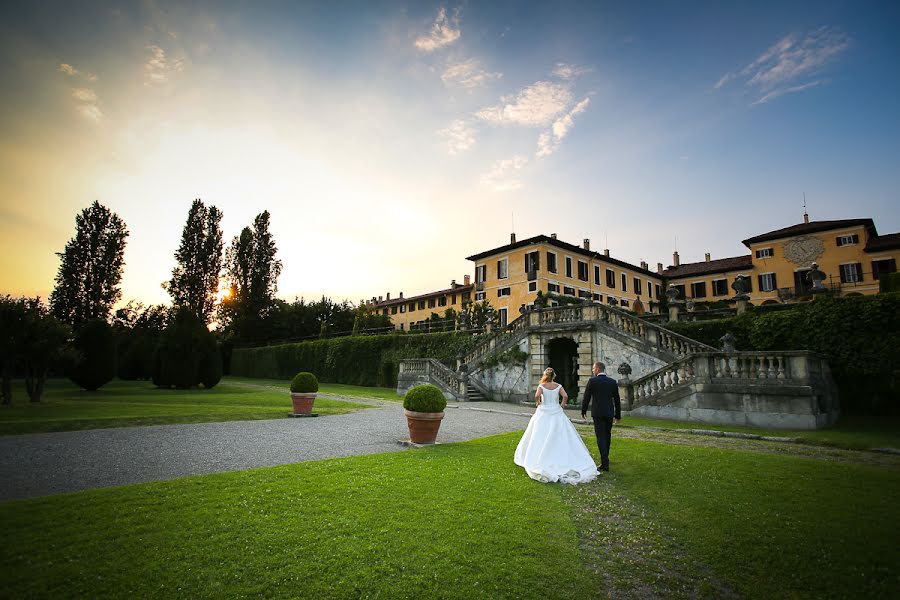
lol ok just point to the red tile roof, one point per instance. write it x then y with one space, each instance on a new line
457 290
811 227
889 241
721 265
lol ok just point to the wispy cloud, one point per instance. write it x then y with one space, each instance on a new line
90 111
549 141
790 90
468 74
567 71
459 135
84 95
159 68
791 58
68 69
444 31
536 105
503 175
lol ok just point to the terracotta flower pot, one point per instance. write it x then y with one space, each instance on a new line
423 426
303 403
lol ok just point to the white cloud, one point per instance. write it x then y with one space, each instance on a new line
793 57
444 31
549 141
84 95
468 74
90 111
91 77
502 176
68 69
535 105
460 136
567 71
790 90
159 68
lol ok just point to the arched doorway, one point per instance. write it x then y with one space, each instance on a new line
562 356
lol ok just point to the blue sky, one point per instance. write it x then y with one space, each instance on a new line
391 140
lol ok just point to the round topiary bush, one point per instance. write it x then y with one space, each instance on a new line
95 343
425 398
304 383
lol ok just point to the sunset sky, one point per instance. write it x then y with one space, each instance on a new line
390 140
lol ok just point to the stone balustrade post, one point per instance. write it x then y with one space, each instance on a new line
674 309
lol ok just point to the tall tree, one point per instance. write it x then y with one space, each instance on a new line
12 329
90 270
195 279
253 271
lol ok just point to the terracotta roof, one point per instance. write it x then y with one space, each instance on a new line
721 265
889 241
457 290
546 239
811 227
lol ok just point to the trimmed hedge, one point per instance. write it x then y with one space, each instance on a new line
889 282
95 343
425 398
356 360
858 334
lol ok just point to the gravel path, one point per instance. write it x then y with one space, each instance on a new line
51 463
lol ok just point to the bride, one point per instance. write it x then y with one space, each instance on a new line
551 449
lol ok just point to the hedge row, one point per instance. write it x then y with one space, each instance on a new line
858 335
357 360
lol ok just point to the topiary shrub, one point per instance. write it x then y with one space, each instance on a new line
187 354
95 344
304 383
425 398
135 357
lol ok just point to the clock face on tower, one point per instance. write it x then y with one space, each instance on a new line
803 250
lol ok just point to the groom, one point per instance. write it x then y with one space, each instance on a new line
602 393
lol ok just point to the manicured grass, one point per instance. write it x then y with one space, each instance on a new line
851 431
770 526
337 389
452 521
66 407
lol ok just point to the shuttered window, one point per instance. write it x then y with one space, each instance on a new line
883 267
767 282
846 240
851 273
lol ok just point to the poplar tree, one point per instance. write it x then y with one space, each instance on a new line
195 279
90 270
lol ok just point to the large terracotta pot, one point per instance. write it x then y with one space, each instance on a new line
423 426
303 403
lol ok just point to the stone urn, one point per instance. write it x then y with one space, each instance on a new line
304 387
424 409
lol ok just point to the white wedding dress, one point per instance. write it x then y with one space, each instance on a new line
551 449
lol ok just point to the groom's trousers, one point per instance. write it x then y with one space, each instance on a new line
603 431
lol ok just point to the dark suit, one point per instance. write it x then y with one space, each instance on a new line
602 394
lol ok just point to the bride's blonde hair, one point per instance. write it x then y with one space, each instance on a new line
549 375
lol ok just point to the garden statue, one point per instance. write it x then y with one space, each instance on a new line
728 341
816 277
638 307
624 369
673 294
741 285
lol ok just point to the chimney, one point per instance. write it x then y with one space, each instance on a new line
379 297
512 238
606 251
644 265
707 257
805 217
675 260
453 283
552 236
466 280
659 268
388 296
401 295
587 244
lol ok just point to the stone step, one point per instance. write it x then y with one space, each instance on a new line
473 395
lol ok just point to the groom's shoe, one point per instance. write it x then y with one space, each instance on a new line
604 468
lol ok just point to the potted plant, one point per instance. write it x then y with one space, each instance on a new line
424 408
304 386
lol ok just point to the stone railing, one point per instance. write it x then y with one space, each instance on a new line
497 342
654 384
418 371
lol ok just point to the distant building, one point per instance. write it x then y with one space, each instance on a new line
407 313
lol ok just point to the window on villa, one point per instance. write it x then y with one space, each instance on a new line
442 301
466 296
501 292
432 302
637 286
846 240
503 268
649 289
584 294
680 288
624 280
767 282
551 262
598 298
610 279
764 253
596 275
532 286
720 287
394 310
384 311
480 273
568 266
503 313
883 267
698 289
403 308
624 302
568 291
479 296
553 287
421 305
532 261
657 289
582 270
851 273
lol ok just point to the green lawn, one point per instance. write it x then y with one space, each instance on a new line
461 521
66 407
851 431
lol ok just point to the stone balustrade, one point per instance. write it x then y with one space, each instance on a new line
419 371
